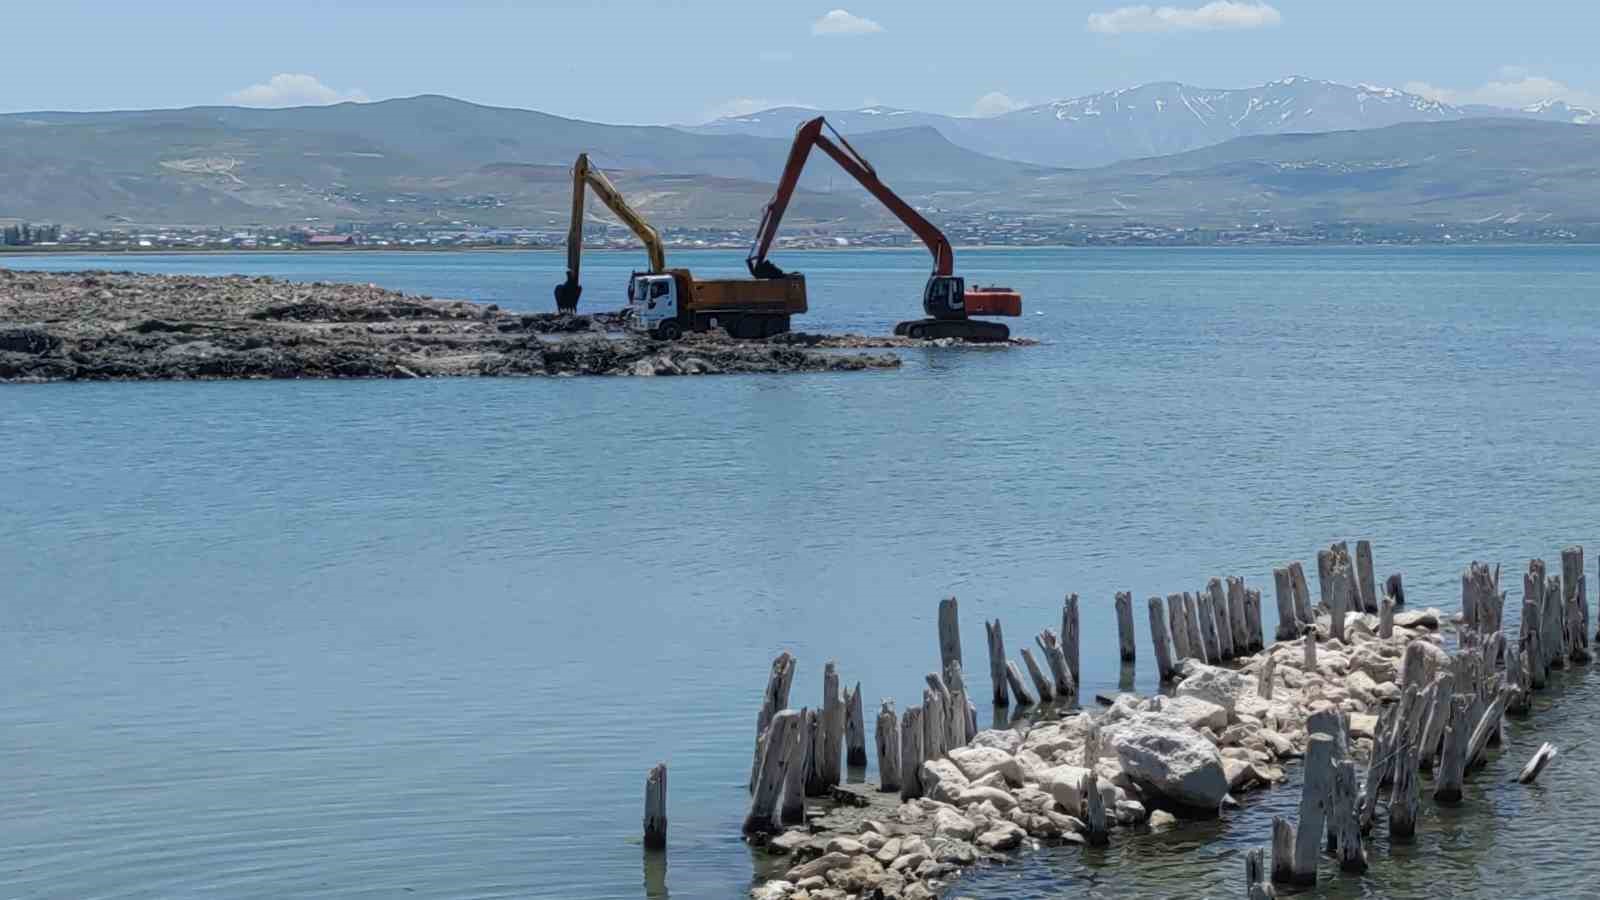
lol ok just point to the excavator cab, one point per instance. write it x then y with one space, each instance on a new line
945 297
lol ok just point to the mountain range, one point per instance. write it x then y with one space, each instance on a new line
1153 119
1296 151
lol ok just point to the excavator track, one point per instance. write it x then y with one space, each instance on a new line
975 330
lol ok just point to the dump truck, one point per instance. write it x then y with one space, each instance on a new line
667 303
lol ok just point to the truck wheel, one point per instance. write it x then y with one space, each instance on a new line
669 331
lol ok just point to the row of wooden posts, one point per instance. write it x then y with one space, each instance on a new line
1444 722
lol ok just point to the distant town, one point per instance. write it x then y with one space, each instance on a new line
985 231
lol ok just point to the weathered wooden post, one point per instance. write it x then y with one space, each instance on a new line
956 732
933 719
1094 808
1283 842
1252 619
1352 856
1093 749
833 725
775 698
1124 605
1405 799
1313 808
655 808
1553 617
1160 639
1069 636
1255 876
1487 726
945 705
1379 767
1340 584
949 633
855 729
887 735
775 757
1325 577
911 753
1209 634
1018 688
1288 619
1394 586
1040 683
1386 617
1577 603
1439 712
1364 575
1198 648
1223 629
1056 659
1541 758
797 761
1238 617
1177 628
1302 594
1453 758
1309 641
997 662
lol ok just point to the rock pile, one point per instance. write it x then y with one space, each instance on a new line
1222 732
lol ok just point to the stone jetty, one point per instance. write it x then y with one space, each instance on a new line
1061 774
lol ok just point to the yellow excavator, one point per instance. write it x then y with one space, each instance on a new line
664 302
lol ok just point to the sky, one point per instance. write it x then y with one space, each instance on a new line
687 61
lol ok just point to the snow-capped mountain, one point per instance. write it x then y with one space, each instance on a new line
1156 119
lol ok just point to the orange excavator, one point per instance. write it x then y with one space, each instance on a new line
946 299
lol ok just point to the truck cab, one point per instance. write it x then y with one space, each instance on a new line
655 302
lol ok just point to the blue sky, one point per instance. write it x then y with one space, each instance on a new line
688 60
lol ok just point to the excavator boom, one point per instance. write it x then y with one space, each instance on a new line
585 177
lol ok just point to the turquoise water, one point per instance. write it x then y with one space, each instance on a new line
426 638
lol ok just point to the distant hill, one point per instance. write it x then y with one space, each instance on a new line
1156 119
419 156
1472 171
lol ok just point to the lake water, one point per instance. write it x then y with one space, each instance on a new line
425 638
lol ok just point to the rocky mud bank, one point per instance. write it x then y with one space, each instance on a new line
122 326
1224 730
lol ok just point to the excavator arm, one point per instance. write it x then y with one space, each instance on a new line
584 178
810 134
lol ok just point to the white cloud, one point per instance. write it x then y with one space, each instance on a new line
1216 16
995 103
744 106
1513 87
842 23
293 90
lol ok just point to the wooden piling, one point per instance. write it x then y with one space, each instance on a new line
1532 632
1302 594
1314 795
1381 765
997 662
1238 617
1223 630
1070 636
952 721
1352 855
1541 758
1208 626
949 632
1365 577
1394 586
956 731
1453 755
777 753
1019 689
855 729
1341 585
833 727
775 698
1198 649
1309 644
1252 620
1283 842
1124 606
1487 726
887 735
933 719
1161 640
1553 617
1288 619
1575 598
1405 799
1178 628
1094 809
1386 617
1439 712
1264 678
1255 876
1041 684
797 760
1325 578
655 808
911 753
1056 660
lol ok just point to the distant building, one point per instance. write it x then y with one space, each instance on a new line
331 240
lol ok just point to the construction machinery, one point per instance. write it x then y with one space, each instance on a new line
948 302
664 302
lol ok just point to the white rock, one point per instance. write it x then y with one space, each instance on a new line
1062 783
1161 820
1196 712
1002 800
843 844
773 890
1176 763
1006 739
1219 686
1002 836
951 824
942 780
1032 766
1424 618
976 762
